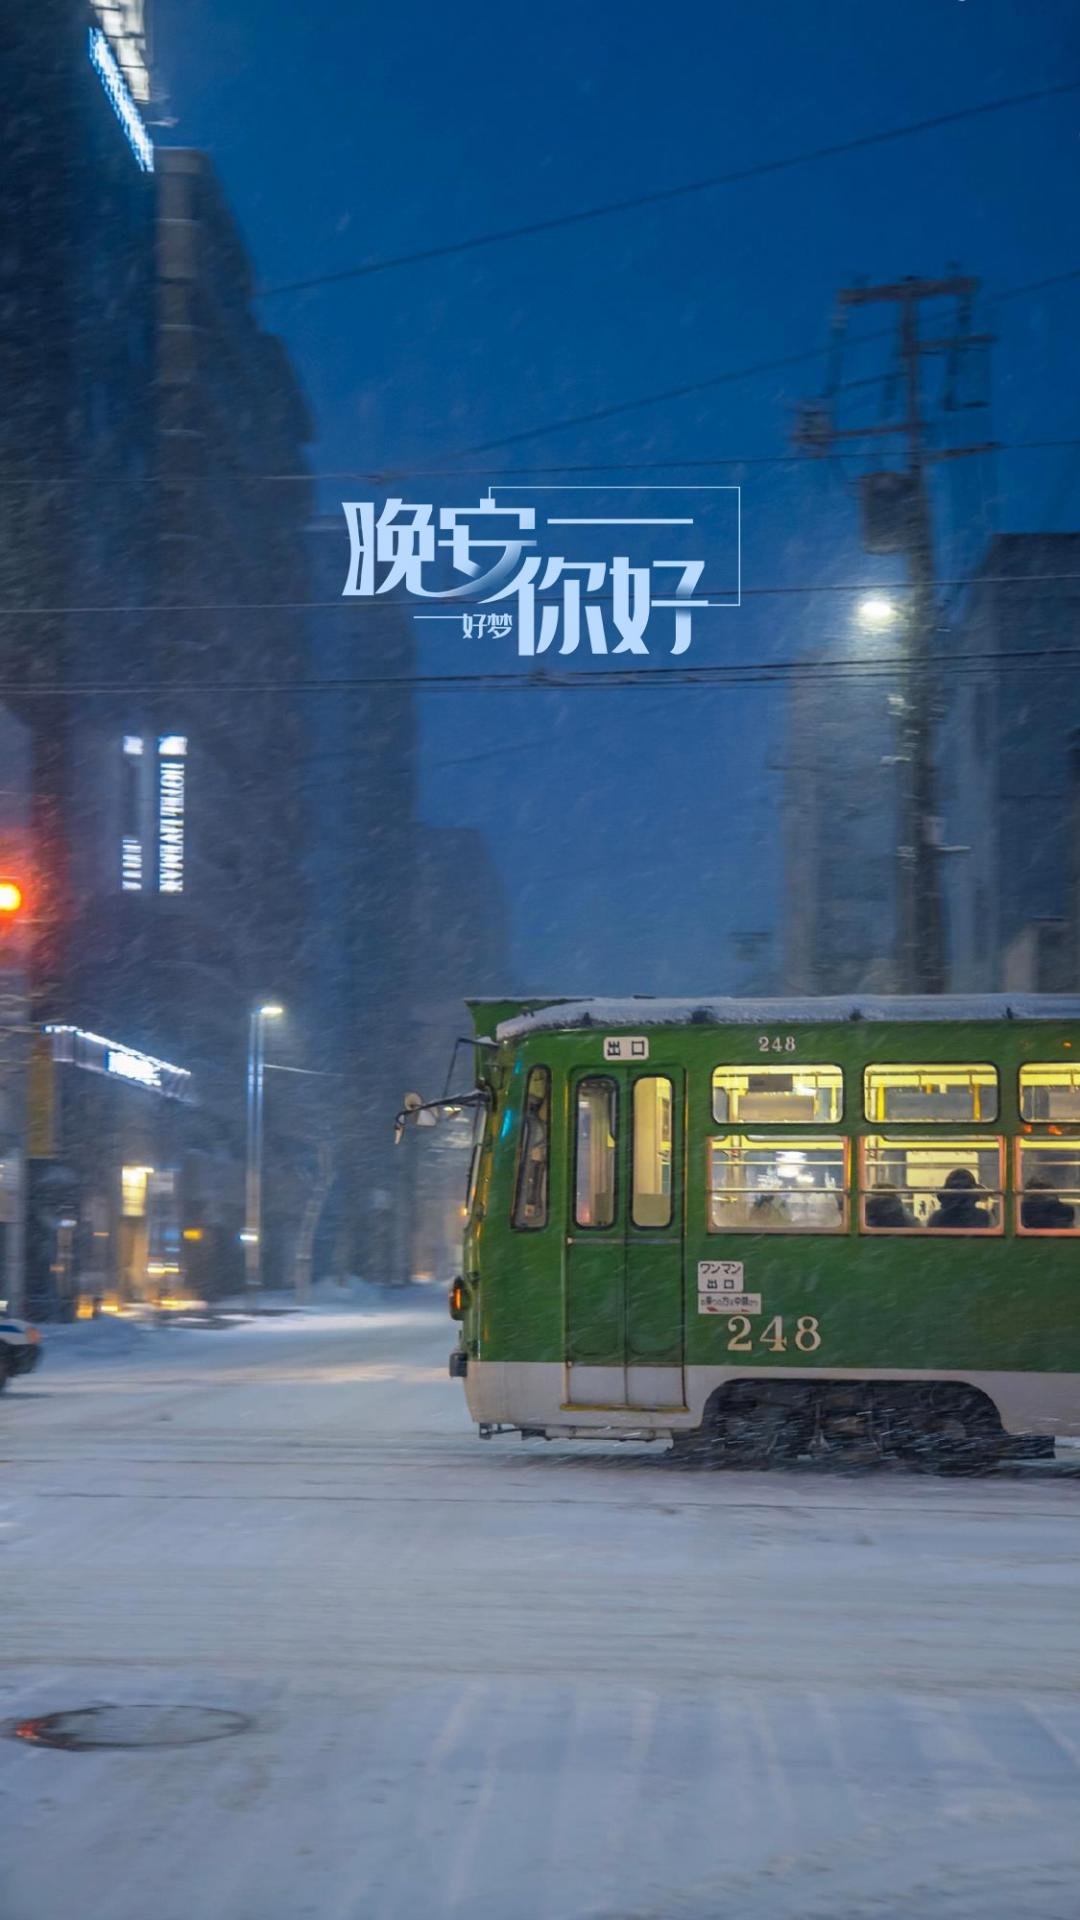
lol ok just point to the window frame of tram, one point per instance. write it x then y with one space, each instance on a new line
744 1096
1030 1178
1055 1076
590 1082
652 1151
787 1159
533 1155
938 1082
886 1163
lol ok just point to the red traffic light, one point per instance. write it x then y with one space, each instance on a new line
11 897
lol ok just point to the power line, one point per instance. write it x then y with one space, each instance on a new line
383 475
865 667
373 606
661 195
734 373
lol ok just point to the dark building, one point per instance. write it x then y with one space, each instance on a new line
462 953
840 837
1011 709
1074 855
76 369
144 540
363 871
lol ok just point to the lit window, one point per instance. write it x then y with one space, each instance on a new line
803 1096
534 1151
133 1182
595 1153
173 746
131 814
956 1093
653 1117
1048 1185
932 1186
770 1185
1050 1091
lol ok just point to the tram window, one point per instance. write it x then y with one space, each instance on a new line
534 1154
1050 1091
1048 1185
931 1186
651 1202
770 1185
595 1149
802 1096
956 1092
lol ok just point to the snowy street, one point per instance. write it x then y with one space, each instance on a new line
509 1681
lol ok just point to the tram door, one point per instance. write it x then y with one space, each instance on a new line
623 1268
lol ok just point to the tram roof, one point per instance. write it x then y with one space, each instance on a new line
820 1010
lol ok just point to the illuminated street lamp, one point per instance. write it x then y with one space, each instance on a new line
11 898
876 611
251 1238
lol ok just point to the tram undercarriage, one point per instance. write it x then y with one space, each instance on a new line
938 1425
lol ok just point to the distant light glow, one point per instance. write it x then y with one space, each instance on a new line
99 1055
11 896
103 61
173 744
271 1012
133 1066
131 872
125 30
876 612
133 743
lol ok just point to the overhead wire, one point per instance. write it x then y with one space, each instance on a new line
659 196
865 667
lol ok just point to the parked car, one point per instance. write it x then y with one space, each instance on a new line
20 1346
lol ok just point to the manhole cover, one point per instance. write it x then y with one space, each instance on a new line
136 1726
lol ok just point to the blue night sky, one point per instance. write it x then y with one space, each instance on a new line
635 830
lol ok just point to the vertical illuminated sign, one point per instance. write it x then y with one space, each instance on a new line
172 770
118 93
131 838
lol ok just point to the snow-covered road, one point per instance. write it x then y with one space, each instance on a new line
512 1681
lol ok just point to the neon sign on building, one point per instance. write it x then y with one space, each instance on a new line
172 772
104 63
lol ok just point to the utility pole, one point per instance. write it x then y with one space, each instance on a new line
897 518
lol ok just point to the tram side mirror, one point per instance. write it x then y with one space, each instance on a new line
413 1108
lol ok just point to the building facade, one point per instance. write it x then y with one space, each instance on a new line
840 816
142 542
363 871
1011 706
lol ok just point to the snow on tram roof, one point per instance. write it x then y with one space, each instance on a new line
821 1010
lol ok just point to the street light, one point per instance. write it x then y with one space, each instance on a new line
875 612
252 1234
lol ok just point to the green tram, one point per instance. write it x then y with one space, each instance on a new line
764 1227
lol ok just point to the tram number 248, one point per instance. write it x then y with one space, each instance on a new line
776 1043
806 1336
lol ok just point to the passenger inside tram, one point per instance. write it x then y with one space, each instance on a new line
884 1208
1042 1210
958 1209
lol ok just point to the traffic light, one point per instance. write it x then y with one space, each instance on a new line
11 899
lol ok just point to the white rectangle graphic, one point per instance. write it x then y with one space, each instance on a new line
720 1276
729 1303
636 1048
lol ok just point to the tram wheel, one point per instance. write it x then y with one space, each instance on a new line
952 1432
757 1424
